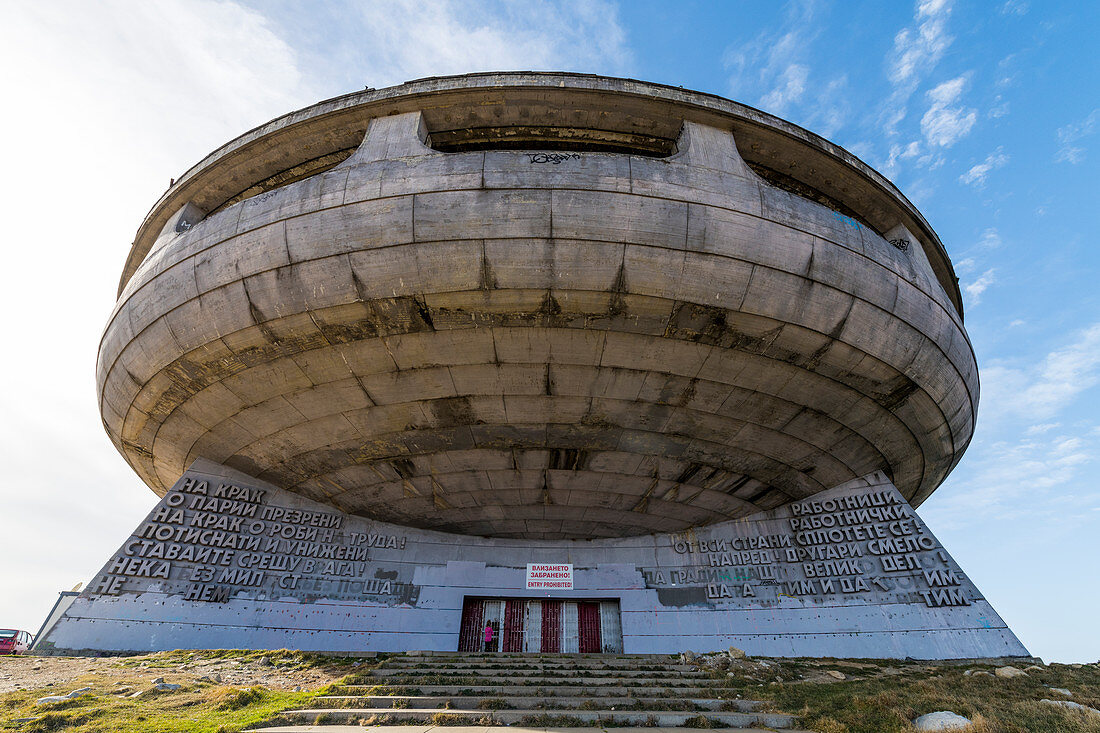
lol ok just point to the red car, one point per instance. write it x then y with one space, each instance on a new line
13 641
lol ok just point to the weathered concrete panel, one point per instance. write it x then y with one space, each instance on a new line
226 560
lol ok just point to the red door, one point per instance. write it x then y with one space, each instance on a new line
469 636
513 627
551 627
588 620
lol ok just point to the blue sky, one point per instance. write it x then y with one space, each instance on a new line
985 114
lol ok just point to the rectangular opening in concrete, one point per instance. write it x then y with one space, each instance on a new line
547 626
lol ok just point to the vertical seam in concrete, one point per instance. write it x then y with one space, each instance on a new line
748 286
687 224
552 192
286 244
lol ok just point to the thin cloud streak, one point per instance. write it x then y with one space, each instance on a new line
916 52
946 122
1041 391
784 83
394 41
977 174
1070 135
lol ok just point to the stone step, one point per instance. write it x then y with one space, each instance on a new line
575 681
560 662
530 666
544 718
539 690
531 674
528 655
468 729
401 702
531 670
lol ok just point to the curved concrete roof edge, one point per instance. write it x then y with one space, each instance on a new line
184 188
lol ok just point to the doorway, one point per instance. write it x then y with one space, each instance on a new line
544 626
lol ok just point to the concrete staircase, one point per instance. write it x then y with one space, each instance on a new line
536 691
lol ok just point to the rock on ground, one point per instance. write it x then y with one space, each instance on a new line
1071 706
62 698
1008 673
941 720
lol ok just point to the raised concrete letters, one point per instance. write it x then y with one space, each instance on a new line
852 573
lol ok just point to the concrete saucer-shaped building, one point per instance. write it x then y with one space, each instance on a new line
541 318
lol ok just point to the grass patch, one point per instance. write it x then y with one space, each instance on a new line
493 703
702 721
198 708
545 720
887 703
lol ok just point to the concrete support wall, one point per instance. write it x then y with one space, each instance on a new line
228 561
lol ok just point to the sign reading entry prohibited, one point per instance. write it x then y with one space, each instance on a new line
547 577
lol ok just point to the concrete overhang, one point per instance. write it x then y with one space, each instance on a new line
488 110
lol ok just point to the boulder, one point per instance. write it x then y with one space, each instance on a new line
688 657
736 653
836 675
941 720
1071 706
1007 673
1061 691
62 698
167 687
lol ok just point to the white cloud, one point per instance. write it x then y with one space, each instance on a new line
916 51
120 96
791 87
1016 323
1042 390
774 70
975 289
1042 428
1015 7
945 122
899 153
1029 476
977 174
392 41
990 239
1068 136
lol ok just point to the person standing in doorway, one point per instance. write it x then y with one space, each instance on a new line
488 637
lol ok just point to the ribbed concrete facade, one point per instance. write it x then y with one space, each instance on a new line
522 343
